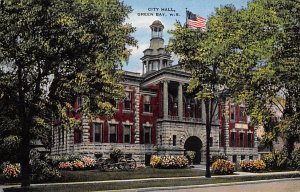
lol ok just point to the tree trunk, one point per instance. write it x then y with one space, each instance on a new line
208 129
25 140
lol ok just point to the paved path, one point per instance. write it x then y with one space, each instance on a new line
276 185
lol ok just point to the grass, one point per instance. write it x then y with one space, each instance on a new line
95 175
148 183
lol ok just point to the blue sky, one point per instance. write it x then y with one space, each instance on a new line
203 8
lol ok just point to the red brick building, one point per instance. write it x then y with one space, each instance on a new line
159 117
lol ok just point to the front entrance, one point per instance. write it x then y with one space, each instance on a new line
193 143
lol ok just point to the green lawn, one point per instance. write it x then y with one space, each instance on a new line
146 183
95 175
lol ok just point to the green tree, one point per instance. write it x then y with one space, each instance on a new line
198 53
52 51
261 63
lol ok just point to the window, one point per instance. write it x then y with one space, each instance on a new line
113 133
233 139
97 132
126 132
147 135
77 135
242 157
127 101
250 157
174 140
114 103
242 140
250 141
232 112
210 141
147 103
160 139
242 114
234 159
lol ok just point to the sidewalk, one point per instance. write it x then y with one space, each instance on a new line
237 174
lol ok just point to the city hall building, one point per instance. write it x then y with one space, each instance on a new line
159 117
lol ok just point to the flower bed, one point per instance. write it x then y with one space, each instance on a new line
253 165
71 163
11 171
168 162
223 167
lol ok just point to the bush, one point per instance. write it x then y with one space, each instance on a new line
223 167
89 162
75 162
11 171
253 165
155 161
181 161
168 162
191 155
41 169
216 157
277 160
294 163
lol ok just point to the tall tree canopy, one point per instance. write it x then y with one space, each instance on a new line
252 54
52 51
261 64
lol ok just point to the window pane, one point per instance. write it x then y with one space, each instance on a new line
97 134
241 139
242 111
113 133
232 112
174 140
147 135
127 129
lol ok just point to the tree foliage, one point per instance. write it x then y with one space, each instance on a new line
253 54
52 51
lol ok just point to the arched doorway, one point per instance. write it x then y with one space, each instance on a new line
193 143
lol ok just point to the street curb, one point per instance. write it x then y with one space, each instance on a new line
201 186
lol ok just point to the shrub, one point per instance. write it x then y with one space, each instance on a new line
168 162
191 155
294 163
276 160
253 165
155 161
223 167
89 162
11 171
41 169
181 161
65 166
216 157
77 165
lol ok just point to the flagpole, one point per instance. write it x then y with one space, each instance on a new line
186 18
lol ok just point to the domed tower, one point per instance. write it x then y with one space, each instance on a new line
156 57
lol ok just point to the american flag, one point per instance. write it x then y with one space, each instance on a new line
195 21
